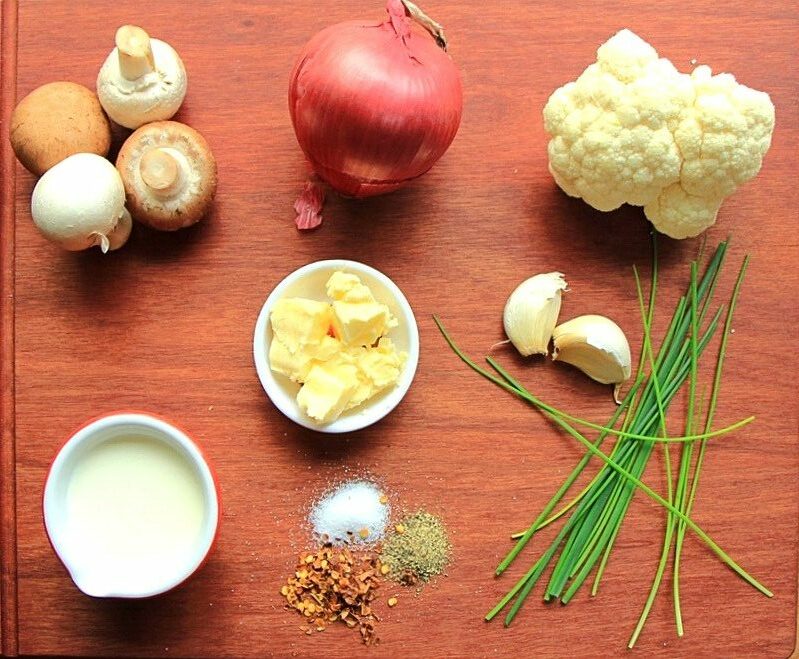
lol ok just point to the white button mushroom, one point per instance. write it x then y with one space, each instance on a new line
79 202
142 80
119 236
169 174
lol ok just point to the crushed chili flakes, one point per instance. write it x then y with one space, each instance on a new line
333 584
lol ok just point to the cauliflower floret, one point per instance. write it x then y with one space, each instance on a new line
632 129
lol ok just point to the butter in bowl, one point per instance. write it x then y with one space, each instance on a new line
336 346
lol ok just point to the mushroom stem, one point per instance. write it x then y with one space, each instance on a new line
135 53
102 240
161 171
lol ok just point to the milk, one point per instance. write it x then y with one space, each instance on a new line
134 509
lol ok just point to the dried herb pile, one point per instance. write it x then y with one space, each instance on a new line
417 549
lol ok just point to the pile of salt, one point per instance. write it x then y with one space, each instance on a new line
354 512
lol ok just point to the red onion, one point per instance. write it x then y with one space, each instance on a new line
375 105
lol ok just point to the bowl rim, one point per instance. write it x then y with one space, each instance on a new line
371 413
189 449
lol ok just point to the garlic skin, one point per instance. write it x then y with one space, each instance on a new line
531 312
597 346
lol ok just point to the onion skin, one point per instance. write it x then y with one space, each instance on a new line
373 108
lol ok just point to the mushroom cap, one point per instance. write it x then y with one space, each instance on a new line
78 201
55 121
191 200
153 97
119 236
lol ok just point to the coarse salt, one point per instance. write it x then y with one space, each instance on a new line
354 512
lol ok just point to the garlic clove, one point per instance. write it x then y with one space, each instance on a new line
531 312
597 346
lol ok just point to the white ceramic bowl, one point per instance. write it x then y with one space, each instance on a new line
309 282
70 548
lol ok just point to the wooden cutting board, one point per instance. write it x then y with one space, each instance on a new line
165 326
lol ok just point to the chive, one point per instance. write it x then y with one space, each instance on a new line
610 541
611 514
538 523
718 259
670 521
708 424
596 514
723 556
686 456
627 402
530 398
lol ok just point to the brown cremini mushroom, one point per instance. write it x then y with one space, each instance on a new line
55 121
169 174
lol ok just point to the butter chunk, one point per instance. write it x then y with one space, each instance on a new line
379 367
382 364
294 366
360 324
346 287
327 348
365 389
358 319
298 322
327 390
297 365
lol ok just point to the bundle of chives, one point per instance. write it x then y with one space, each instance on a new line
596 514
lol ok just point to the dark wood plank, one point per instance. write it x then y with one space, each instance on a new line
165 325
8 529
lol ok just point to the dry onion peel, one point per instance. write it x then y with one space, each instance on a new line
309 205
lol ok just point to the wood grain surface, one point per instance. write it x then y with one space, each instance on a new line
165 326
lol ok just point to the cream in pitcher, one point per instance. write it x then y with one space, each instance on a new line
129 512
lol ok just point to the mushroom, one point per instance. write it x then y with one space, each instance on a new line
169 174
141 80
55 121
79 202
119 236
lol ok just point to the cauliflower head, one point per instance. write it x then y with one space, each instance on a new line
633 129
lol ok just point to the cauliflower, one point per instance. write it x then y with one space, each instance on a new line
632 129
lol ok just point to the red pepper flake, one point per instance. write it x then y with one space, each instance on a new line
319 590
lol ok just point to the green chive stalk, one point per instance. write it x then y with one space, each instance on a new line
594 517
670 519
688 507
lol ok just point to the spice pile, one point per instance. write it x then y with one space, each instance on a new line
417 550
334 584
356 511
339 580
